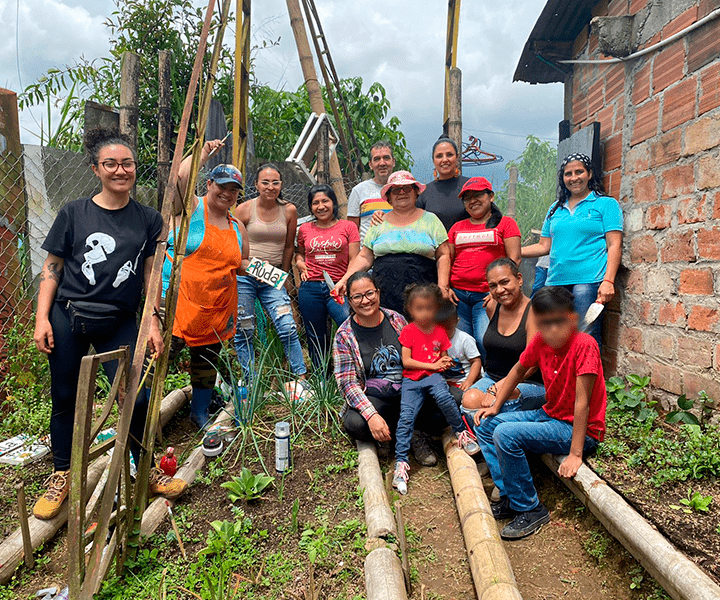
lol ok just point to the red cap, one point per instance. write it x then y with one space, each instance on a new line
476 184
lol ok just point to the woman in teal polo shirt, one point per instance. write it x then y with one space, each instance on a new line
583 235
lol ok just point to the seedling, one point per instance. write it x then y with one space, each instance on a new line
247 486
695 501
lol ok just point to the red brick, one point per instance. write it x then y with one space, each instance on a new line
694 384
638 158
579 108
631 339
706 7
637 5
666 378
696 282
613 153
708 172
709 88
595 97
646 313
677 181
619 117
612 184
709 243
669 65
678 247
579 45
614 82
661 345
609 361
646 121
635 283
702 134
695 352
641 85
617 8
702 318
703 47
691 210
671 313
716 206
666 148
680 22
679 105
605 118
645 189
643 249
658 216
717 357
592 44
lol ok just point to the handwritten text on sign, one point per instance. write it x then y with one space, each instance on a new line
265 272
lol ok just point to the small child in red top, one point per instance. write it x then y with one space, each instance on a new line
572 421
424 355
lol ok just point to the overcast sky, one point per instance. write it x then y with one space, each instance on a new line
399 44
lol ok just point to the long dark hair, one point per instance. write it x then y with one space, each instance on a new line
323 188
563 194
495 213
275 168
99 137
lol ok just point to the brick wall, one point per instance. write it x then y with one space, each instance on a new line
660 126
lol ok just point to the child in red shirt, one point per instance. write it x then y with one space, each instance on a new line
424 354
572 422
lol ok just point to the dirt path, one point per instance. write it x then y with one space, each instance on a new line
572 556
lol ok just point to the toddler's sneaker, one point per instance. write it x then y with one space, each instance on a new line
400 476
466 442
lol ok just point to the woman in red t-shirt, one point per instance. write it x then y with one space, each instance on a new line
474 243
325 245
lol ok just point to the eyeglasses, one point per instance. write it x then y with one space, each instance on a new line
111 166
370 295
275 183
402 188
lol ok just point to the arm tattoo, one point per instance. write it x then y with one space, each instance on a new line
51 271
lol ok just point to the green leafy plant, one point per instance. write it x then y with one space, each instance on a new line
694 501
704 405
631 397
248 486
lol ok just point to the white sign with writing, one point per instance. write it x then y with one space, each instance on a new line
265 272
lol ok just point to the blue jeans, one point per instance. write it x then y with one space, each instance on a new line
411 401
585 294
532 395
506 438
277 304
540 278
473 318
315 306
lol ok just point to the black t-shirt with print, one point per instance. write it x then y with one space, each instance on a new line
104 251
380 351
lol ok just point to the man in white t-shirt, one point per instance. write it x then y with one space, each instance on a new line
365 197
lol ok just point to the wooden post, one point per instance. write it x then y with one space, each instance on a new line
25 526
322 174
455 111
512 191
164 122
317 104
451 44
129 91
241 111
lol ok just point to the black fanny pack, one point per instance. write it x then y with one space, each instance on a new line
90 318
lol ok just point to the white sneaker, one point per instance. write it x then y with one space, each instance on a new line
466 442
400 477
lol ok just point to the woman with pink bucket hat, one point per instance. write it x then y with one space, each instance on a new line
409 246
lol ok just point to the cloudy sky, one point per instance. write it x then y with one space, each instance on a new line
399 44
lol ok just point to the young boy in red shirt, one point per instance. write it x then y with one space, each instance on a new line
572 421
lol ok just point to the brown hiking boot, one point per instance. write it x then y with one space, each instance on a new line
50 502
163 485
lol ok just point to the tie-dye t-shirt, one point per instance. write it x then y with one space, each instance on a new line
421 237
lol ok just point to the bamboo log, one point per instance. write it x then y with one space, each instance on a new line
173 402
164 122
678 575
384 576
378 516
490 567
455 111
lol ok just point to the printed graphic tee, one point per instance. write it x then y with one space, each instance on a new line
104 251
424 347
380 351
475 248
364 200
327 249
463 349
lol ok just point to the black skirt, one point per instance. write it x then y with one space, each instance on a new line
394 272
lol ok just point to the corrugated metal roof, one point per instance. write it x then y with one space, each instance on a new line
552 39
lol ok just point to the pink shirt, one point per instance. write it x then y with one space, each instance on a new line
327 249
424 347
475 248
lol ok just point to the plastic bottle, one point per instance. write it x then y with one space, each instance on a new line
283 459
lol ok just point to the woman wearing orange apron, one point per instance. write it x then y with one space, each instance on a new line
206 312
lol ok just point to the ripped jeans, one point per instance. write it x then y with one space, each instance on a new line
277 304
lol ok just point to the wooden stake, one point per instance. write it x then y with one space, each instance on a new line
164 121
176 530
512 191
25 526
455 111
403 546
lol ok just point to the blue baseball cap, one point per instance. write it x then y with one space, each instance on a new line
226 174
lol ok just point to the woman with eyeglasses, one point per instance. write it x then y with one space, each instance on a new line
100 254
409 246
368 368
271 226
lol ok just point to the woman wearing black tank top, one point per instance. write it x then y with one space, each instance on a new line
512 326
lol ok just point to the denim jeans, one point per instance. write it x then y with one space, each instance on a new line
315 306
473 318
540 278
277 304
585 294
412 399
532 395
506 438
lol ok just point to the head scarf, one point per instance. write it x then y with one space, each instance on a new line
579 156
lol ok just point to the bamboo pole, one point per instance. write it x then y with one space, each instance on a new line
164 121
676 573
25 526
490 567
241 110
512 191
384 576
317 104
451 45
454 122
378 516
129 107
